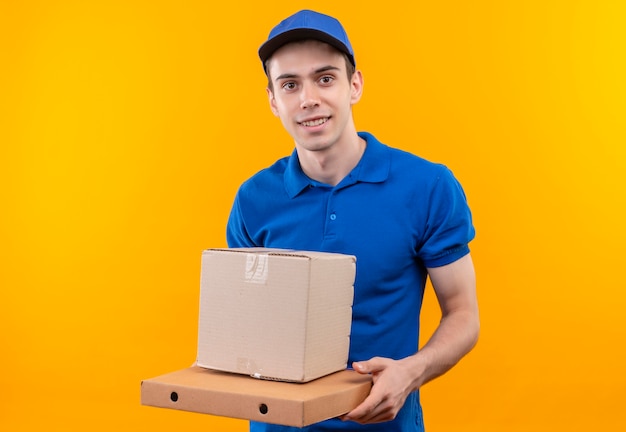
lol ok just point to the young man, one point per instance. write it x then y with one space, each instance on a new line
404 218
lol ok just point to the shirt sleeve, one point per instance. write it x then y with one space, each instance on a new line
236 233
449 227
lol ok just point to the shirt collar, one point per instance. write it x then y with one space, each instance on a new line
372 168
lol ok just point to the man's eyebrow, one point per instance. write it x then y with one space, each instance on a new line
315 72
326 69
285 76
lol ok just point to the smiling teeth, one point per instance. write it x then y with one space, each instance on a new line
315 122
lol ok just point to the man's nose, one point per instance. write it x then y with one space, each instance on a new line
309 96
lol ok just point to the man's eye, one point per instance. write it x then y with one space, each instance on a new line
289 86
326 79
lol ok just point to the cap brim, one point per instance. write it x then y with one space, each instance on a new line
272 45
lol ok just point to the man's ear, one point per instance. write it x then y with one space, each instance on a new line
272 100
357 87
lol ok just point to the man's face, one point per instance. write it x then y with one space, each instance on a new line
312 95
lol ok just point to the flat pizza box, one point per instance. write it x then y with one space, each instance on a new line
233 395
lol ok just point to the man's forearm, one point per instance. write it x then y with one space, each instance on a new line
455 336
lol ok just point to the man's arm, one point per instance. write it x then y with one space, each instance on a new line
456 335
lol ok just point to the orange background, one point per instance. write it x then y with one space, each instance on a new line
127 126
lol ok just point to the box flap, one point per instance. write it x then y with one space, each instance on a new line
280 252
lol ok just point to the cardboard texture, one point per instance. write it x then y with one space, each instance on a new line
275 314
232 395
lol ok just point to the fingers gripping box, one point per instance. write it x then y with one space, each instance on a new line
275 314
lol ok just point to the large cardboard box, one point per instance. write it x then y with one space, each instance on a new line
232 395
275 314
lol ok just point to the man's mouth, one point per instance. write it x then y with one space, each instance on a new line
316 122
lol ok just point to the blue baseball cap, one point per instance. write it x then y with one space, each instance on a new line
307 24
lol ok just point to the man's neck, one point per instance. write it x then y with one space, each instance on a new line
332 165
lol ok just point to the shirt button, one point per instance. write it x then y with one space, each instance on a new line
333 216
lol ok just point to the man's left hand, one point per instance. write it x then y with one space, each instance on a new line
392 384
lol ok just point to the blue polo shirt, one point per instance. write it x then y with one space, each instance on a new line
396 212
